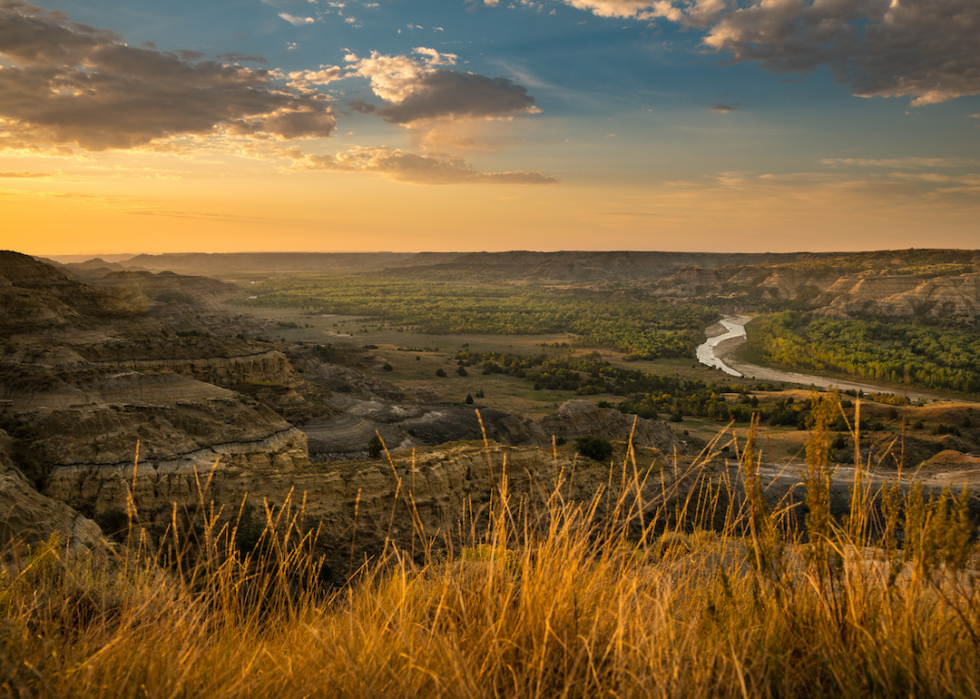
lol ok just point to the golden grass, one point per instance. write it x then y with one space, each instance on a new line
542 602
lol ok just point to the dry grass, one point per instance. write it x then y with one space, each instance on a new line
548 603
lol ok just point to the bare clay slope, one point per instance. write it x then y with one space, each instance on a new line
86 373
896 284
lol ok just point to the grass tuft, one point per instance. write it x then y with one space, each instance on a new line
700 590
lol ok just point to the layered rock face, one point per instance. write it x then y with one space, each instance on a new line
29 518
355 506
859 285
908 296
86 374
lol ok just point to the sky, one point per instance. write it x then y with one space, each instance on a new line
408 125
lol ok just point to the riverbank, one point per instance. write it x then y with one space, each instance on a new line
728 335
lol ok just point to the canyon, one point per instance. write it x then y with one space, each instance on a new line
134 394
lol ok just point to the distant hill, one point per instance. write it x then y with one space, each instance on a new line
232 263
37 297
576 267
891 283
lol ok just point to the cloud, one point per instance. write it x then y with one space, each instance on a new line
420 91
901 163
25 175
239 58
393 78
68 84
723 108
362 107
296 21
409 167
305 79
924 49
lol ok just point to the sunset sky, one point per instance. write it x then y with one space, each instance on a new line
246 125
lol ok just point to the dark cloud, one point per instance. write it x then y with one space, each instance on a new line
445 94
362 107
925 49
71 84
723 108
410 167
240 58
190 56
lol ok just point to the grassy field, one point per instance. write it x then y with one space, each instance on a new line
416 370
540 601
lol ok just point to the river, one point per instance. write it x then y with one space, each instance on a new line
735 329
718 352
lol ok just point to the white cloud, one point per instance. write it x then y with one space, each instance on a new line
393 78
305 79
296 21
423 90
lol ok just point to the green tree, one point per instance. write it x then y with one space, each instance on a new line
375 447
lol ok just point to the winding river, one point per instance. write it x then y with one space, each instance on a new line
718 352
735 330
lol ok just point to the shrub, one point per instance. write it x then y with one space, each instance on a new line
375 447
441 373
388 367
594 448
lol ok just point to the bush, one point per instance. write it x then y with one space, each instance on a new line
388 367
441 373
375 447
461 371
469 399
594 448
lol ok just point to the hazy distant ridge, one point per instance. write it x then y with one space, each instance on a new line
212 264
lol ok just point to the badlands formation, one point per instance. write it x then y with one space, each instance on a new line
88 371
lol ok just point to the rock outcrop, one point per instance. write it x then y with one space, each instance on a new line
582 418
357 506
29 518
168 287
86 374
